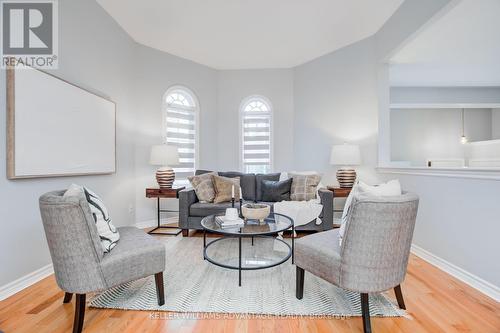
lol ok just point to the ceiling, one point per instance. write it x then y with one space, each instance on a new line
243 34
461 48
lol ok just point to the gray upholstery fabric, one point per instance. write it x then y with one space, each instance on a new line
375 248
73 242
188 197
247 183
205 209
275 190
326 199
76 251
320 254
135 256
258 178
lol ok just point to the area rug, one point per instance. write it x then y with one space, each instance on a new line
195 285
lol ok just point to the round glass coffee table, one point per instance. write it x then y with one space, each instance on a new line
249 247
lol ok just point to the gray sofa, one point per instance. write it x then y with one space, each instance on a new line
191 211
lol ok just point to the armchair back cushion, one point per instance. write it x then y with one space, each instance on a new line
74 243
376 244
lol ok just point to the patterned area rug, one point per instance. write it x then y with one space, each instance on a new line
195 285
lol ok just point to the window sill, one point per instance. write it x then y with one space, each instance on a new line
472 173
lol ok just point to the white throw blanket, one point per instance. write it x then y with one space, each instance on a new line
301 212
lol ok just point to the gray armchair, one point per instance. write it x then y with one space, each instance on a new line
374 253
80 265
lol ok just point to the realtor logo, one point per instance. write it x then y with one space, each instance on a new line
29 33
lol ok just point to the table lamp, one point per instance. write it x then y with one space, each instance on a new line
164 156
346 156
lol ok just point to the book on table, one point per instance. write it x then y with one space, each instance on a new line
225 223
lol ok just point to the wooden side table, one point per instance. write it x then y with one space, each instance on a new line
339 192
164 193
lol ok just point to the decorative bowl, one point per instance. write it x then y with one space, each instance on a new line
255 211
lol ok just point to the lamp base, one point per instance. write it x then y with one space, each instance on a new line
165 177
346 177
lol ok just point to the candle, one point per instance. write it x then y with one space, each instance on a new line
239 196
232 192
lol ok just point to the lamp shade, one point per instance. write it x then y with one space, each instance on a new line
345 155
164 155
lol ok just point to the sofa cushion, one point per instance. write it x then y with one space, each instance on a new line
201 172
276 190
204 209
247 183
258 181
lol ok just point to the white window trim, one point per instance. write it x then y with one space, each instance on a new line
241 113
197 109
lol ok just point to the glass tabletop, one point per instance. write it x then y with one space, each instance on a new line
259 253
273 224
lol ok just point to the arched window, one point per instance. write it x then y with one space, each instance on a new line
180 128
256 135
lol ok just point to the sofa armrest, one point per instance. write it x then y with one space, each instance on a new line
326 198
187 197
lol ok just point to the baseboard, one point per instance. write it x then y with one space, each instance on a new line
25 281
154 223
472 280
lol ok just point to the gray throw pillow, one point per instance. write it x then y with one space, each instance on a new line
258 182
275 191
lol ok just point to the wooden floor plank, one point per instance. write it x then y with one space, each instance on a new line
436 302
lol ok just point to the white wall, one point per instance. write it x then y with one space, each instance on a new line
154 73
235 85
339 96
98 57
421 134
335 99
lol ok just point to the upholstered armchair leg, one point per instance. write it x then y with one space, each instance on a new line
299 286
399 297
79 313
365 311
67 297
185 232
159 288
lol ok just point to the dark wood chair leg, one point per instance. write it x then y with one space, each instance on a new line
365 311
185 232
67 297
79 313
160 293
299 283
399 297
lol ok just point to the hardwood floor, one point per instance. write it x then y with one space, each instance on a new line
435 301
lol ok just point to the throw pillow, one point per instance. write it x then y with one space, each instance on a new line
347 208
391 188
108 233
304 187
223 188
258 182
203 186
275 191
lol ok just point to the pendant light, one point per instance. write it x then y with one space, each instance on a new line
463 139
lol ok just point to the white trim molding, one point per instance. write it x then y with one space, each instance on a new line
25 281
468 278
472 173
